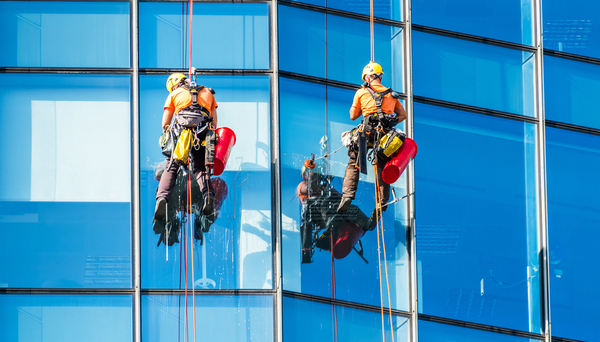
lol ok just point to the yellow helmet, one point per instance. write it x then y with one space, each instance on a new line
371 68
174 79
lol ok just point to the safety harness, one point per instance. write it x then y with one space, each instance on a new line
377 124
195 107
191 128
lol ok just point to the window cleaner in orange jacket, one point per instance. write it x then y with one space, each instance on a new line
195 108
379 107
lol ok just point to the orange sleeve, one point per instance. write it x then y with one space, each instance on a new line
356 101
169 103
398 104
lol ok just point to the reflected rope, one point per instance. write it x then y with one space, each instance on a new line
379 215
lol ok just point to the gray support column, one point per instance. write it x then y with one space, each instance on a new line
541 169
276 173
135 171
410 172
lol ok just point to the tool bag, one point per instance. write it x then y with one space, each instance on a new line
389 144
182 149
167 141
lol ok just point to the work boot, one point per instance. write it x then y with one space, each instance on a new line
344 205
207 209
160 209
372 221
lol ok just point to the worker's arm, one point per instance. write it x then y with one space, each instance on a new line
167 116
213 114
355 112
400 113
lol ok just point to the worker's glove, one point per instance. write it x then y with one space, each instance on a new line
389 120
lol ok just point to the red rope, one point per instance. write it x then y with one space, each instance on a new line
191 19
189 224
379 214
333 290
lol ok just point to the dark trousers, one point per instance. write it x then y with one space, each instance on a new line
169 176
352 175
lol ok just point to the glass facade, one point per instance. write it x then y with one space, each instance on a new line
489 234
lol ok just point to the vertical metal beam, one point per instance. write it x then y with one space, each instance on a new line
135 171
276 172
410 172
541 169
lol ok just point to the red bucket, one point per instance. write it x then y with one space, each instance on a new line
394 168
349 235
224 145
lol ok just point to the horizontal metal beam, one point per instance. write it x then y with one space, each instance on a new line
474 38
347 304
572 56
324 81
478 326
66 291
340 13
574 128
474 109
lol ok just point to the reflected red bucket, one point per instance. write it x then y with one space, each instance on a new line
349 235
223 148
394 168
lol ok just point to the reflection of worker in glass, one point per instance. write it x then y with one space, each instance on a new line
195 109
319 219
381 111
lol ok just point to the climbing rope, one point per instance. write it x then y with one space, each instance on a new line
191 18
189 223
371 19
379 215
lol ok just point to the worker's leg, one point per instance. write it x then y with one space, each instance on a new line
384 188
350 181
165 189
203 178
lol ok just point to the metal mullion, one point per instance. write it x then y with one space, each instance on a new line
276 177
541 171
410 177
135 174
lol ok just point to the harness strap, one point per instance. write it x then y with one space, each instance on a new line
195 107
378 97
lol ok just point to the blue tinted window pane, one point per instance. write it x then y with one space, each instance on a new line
473 74
572 163
64 34
381 8
321 117
348 46
475 180
312 321
242 37
572 26
218 318
68 181
236 253
69 318
510 20
572 92
434 332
